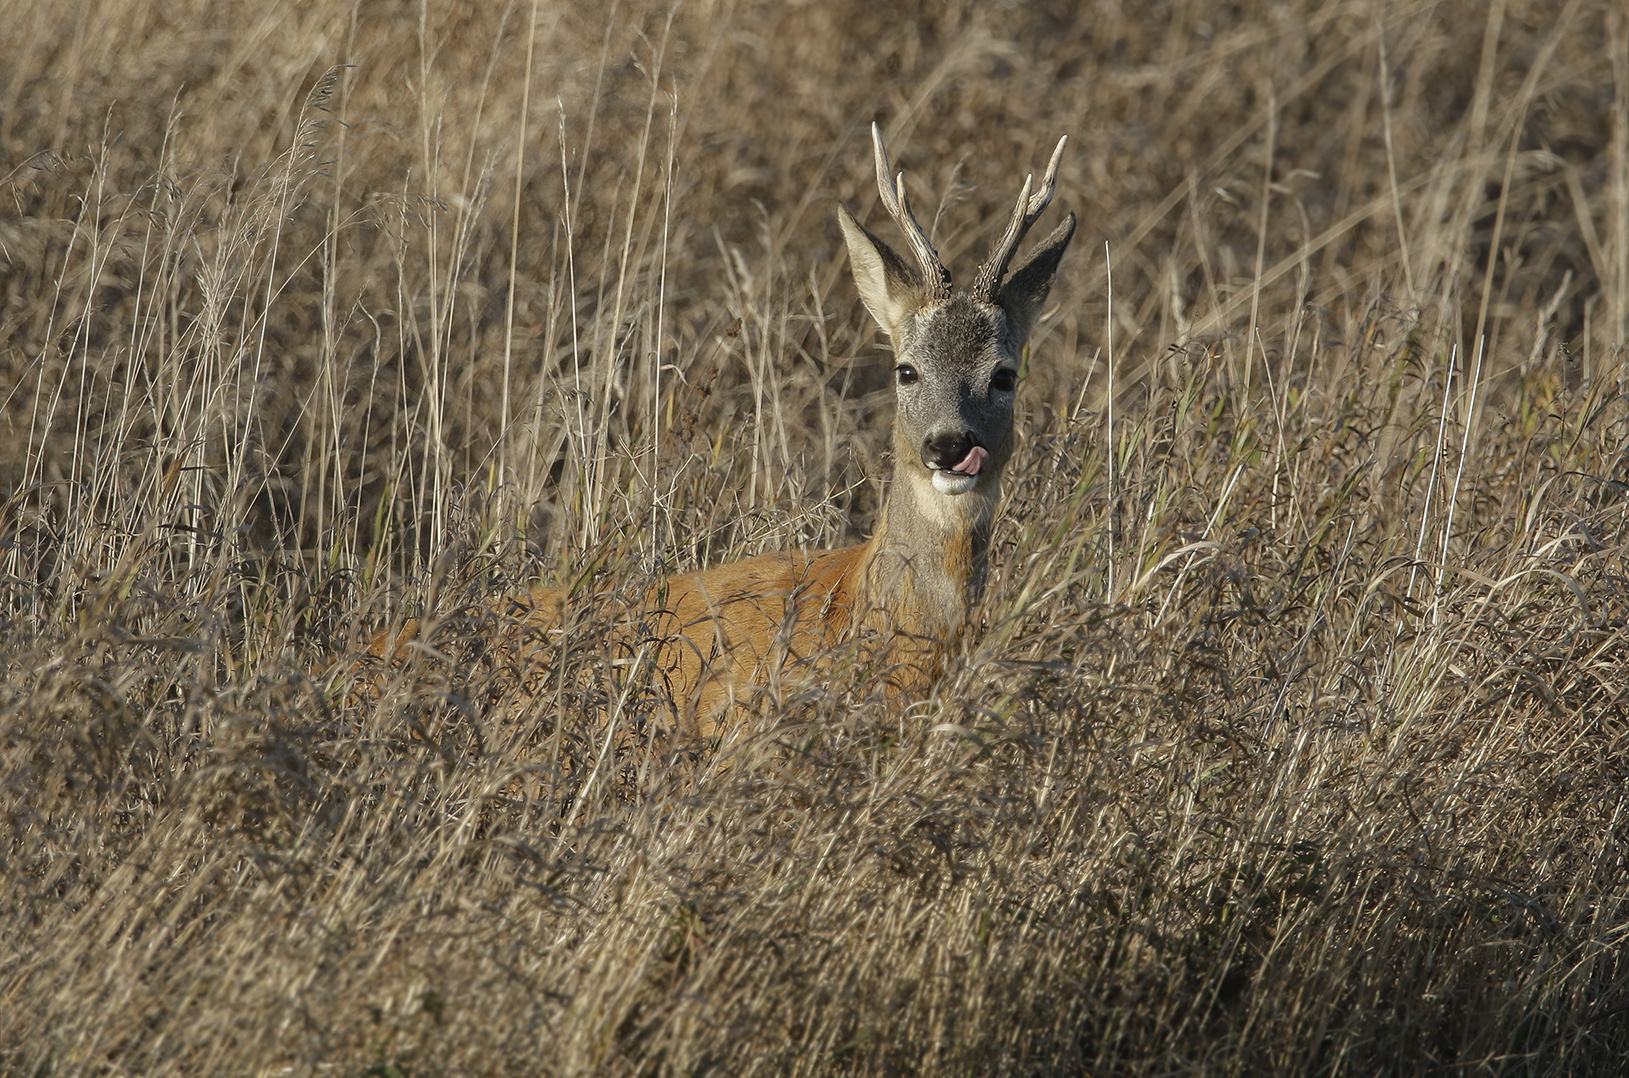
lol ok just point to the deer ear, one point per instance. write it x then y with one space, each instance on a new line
890 288
1025 291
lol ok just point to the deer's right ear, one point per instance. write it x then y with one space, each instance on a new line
890 288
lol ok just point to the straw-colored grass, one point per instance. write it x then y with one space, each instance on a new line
1296 736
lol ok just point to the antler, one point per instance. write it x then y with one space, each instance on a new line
892 188
1030 206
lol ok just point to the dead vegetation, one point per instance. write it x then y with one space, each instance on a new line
1297 737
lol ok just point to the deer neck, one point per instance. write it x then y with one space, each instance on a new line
925 566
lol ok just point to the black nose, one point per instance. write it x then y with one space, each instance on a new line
946 450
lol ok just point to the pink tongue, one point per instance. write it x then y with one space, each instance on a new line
974 460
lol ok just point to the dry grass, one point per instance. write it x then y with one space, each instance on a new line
1297 737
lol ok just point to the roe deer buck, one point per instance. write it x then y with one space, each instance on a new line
721 633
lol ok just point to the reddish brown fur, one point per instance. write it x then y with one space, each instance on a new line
720 635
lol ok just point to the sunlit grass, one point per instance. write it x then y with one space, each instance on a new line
1294 739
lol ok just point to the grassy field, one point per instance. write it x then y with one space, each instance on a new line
1296 736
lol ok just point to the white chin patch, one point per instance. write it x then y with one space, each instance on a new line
953 482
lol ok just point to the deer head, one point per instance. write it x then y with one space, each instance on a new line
956 353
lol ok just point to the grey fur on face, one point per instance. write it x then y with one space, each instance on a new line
956 349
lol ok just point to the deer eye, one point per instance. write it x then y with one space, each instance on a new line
1005 379
906 374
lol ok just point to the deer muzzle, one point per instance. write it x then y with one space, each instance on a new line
955 463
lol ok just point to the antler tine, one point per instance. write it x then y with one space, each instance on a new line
1024 215
1043 197
897 202
988 281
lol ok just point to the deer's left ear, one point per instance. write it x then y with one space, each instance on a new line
1026 290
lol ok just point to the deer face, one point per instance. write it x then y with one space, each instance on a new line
956 354
955 380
